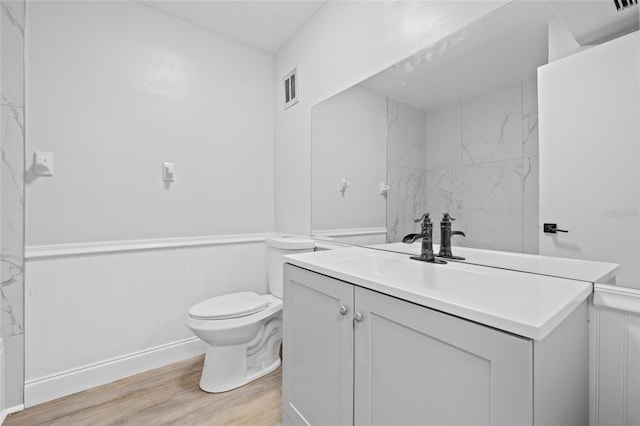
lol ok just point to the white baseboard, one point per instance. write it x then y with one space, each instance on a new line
10 410
48 388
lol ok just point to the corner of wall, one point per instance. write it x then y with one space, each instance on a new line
561 41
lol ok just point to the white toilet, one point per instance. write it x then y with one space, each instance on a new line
244 330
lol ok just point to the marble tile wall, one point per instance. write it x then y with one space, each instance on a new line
12 19
406 168
482 167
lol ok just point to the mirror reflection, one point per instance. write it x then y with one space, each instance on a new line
452 129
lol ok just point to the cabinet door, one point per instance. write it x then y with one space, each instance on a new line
416 366
317 349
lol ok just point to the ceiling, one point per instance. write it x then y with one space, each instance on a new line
265 25
507 45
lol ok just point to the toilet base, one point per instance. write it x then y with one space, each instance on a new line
222 372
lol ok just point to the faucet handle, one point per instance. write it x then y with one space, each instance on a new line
447 218
424 217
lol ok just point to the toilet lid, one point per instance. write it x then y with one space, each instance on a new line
228 306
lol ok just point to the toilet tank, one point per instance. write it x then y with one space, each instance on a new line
277 247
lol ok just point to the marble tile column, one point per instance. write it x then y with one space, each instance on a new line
12 134
406 169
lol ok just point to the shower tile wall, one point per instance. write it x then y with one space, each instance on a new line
482 167
12 197
406 168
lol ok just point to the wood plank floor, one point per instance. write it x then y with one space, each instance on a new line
166 396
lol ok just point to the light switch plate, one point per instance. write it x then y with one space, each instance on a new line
168 172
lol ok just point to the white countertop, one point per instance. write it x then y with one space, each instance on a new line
525 304
584 270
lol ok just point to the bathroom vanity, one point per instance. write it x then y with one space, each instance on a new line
371 337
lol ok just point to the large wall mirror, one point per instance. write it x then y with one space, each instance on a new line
451 129
454 129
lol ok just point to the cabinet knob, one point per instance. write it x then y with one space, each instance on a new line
343 310
358 317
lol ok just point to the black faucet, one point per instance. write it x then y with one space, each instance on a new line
426 254
445 237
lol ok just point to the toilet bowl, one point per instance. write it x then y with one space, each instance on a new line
243 330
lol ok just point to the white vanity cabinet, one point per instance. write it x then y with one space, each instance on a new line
356 356
317 376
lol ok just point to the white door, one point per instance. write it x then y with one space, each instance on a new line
317 378
589 158
416 366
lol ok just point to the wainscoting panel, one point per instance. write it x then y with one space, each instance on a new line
615 364
85 310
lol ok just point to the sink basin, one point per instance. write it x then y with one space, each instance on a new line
404 271
544 265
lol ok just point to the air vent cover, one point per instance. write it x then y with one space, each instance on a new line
291 89
594 22
623 4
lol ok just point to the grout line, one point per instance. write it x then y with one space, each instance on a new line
462 166
625 369
597 366
522 154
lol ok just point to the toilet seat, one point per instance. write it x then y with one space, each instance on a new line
229 306
274 306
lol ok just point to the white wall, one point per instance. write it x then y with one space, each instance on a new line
115 257
349 141
344 43
114 89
